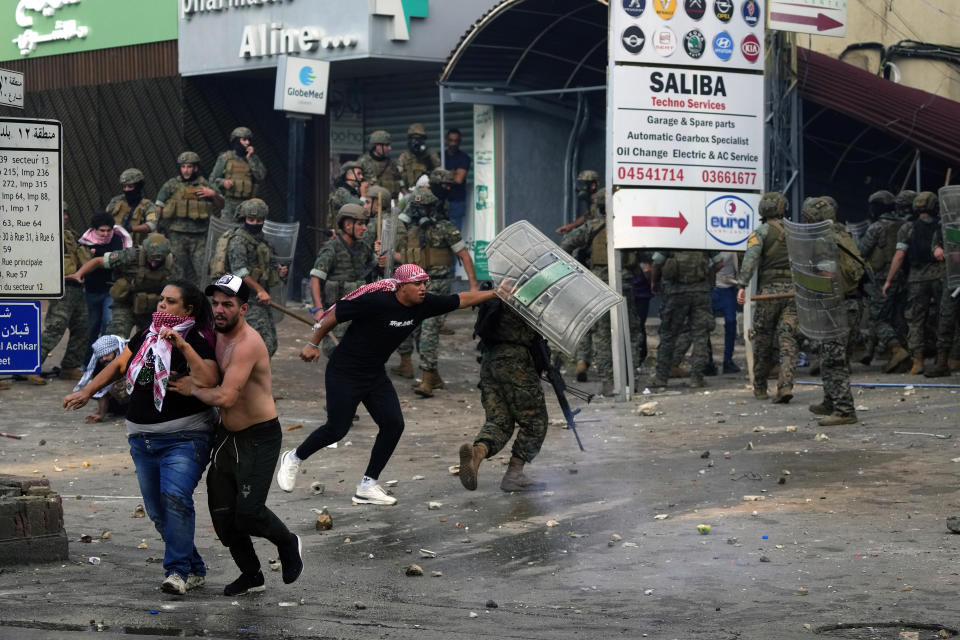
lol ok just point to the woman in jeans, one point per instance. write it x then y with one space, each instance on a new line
169 434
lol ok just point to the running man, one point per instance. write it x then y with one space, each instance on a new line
383 314
247 442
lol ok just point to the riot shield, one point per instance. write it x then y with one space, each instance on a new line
950 219
813 261
557 295
388 241
282 238
857 229
218 227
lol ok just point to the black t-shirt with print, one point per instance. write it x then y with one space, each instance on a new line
379 323
141 409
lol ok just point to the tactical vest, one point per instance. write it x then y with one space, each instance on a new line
882 254
427 257
382 175
184 203
238 170
774 256
921 242
413 167
142 289
262 272
686 267
71 253
598 246
124 217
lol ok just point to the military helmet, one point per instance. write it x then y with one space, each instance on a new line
416 129
379 137
818 209
156 247
346 166
772 205
376 192
253 208
441 176
883 198
241 132
903 201
588 175
130 177
351 211
927 202
188 157
423 198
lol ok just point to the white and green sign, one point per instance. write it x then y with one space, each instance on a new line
34 28
484 185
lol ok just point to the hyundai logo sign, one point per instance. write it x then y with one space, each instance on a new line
729 219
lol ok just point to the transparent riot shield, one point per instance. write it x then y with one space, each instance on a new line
950 219
388 242
282 238
857 229
813 261
557 295
218 227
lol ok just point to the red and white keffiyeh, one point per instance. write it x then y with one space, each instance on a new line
404 274
90 238
161 350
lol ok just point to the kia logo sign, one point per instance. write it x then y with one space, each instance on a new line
750 48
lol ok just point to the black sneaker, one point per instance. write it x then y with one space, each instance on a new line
245 584
290 559
730 367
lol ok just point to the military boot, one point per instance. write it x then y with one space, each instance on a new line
834 419
760 393
470 458
822 409
515 480
940 367
582 371
427 384
917 367
36 378
405 368
869 347
784 394
897 355
679 371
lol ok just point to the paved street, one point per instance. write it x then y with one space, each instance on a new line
847 529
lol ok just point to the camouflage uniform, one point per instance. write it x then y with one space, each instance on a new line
767 255
403 232
69 312
185 220
249 255
341 196
925 280
247 175
341 269
136 289
510 390
413 166
381 172
877 246
685 306
144 213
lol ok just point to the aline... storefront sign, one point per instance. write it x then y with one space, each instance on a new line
272 39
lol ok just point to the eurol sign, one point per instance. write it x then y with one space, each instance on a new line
729 220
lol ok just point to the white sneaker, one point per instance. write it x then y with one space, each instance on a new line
194 581
287 473
373 495
174 584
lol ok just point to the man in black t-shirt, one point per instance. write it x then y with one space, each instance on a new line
383 314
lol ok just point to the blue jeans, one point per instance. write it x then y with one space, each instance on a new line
458 210
169 467
725 304
98 317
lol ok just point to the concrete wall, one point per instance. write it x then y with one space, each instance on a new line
890 21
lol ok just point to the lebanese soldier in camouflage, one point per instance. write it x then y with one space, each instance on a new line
417 159
131 210
588 185
925 281
947 327
877 247
343 264
186 204
67 313
687 278
774 319
248 256
349 185
903 203
512 395
434 243
140 273
837 405
592 237
238 173
377 166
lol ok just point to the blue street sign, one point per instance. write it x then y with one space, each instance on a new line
19 337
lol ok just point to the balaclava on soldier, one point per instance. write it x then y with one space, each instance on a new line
132 178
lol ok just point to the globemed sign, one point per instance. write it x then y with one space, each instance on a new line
301 85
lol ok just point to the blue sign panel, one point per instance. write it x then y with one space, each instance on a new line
19 337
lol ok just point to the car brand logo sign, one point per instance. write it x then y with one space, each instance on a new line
750 48
664 41
695 8
723 9
751 12
723 45
729 220
665 8
694 43
634 8
633 39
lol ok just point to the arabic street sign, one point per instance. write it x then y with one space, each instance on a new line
31 218
11 88
19 337
819 17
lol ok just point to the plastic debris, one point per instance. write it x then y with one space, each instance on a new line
391 483
274 564
94 560
648 592
754 498
288 604
820 437
418 477
426 553
703 529
433 506
474 614
661 516
454 469
436 574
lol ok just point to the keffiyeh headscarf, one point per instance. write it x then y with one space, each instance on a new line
90 238
161 351
104 345
404 274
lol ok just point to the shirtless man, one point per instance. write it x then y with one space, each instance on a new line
247 442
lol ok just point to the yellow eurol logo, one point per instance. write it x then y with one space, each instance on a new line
665 8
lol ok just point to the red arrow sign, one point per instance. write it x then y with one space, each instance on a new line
821 22
661 221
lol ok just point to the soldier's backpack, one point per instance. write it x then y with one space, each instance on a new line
853 270
686 267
